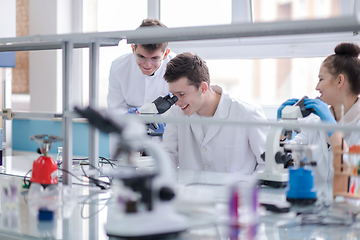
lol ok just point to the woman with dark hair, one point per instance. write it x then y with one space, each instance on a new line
339 86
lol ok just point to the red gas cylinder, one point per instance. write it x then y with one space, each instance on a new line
44 171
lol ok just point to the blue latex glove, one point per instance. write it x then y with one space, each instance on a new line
288 102
322 110
133 110
157 127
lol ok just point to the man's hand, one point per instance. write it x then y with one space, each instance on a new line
133 110
322 110
157 128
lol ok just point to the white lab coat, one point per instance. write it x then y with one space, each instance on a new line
223 148
324 170
128 87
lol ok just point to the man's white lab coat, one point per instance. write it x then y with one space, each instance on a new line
128 87
324 170
223 148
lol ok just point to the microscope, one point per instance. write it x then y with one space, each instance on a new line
142 203
287 164
276 157
301 190
158 106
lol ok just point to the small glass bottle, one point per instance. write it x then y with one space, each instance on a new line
59 158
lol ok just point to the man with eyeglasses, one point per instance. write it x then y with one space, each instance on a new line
137 78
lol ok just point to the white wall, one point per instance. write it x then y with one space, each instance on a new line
7 18
7 29
47 17
43 64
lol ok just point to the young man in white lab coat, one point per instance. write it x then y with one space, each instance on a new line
218 148
137 78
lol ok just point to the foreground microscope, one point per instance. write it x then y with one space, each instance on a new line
142 206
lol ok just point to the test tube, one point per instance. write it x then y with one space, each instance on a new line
2 167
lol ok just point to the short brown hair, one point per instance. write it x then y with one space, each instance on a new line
187 65
151 22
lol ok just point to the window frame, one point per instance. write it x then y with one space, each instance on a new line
295 46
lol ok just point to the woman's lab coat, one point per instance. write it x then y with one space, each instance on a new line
324 170
129 87
223 148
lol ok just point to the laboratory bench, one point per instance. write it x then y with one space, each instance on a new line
202 198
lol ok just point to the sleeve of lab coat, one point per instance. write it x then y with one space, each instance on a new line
170 142
257 137
115 98
303 136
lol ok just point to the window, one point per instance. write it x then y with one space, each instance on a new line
246 69
269 70
282 10
187 13
115 15
109 15
266 81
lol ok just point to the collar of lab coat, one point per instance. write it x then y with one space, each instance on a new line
353 115
221 112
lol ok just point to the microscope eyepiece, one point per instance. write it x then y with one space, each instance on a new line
164 103
173 100
304 111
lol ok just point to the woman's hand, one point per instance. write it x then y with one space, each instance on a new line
288 102
322 110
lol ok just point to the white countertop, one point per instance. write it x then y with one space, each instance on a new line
200 193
